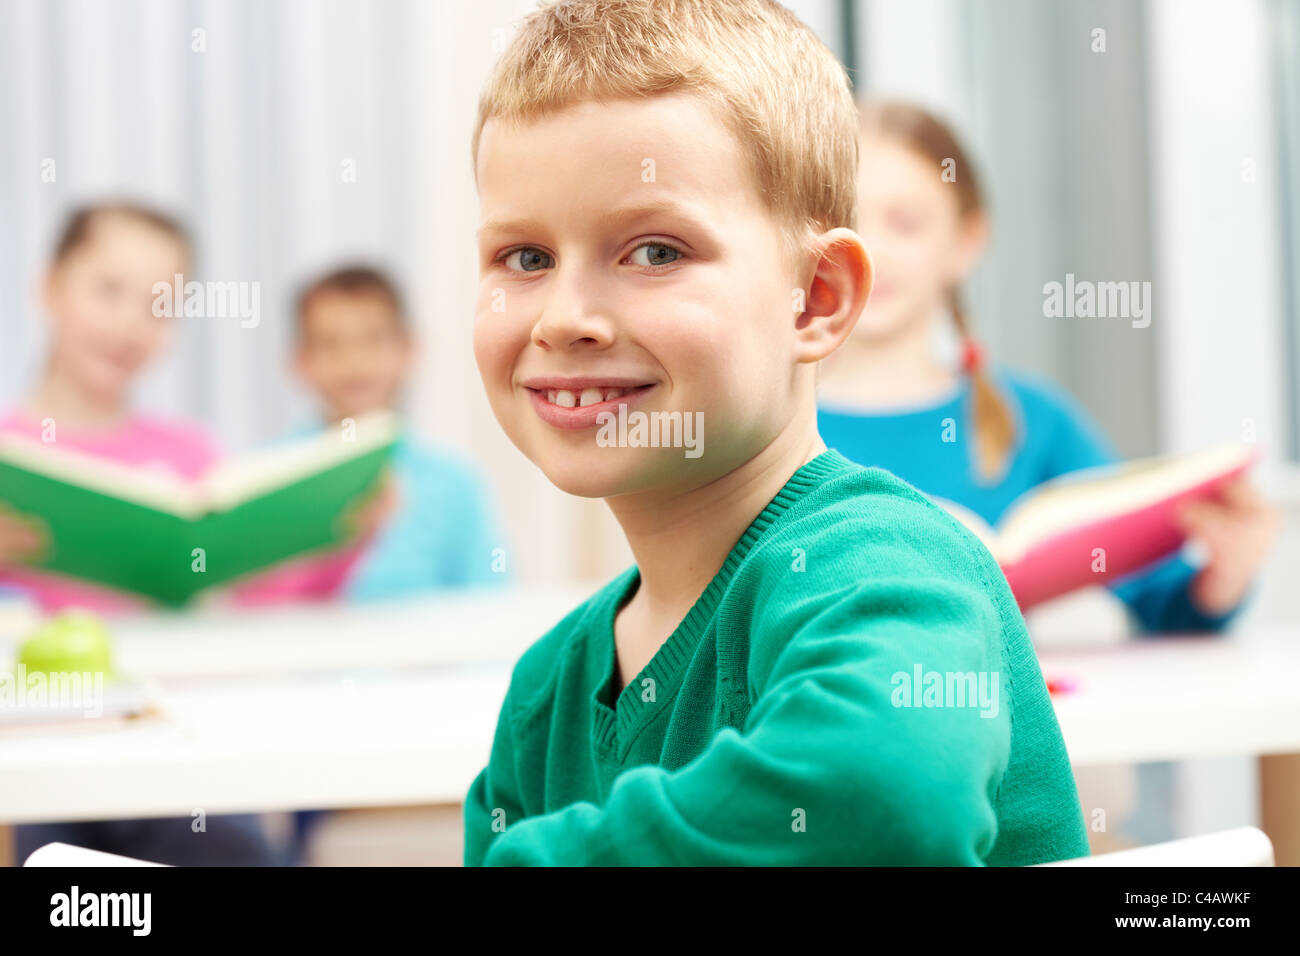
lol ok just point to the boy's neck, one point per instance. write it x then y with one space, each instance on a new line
680 541
899 370
72 406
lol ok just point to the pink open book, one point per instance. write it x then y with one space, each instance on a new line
1098 524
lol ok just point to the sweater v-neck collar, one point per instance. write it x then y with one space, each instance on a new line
614 728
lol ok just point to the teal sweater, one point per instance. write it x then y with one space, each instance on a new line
820 704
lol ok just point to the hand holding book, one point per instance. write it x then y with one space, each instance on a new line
372 508
1238 528
22 537
1099 524
322 575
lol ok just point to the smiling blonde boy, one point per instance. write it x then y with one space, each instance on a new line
809 663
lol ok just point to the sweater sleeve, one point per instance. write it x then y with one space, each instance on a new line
1159 596
834 764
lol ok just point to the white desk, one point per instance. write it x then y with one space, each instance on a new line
293 708
270 712
308 742
1177 698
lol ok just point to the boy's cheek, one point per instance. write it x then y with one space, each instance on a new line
493 352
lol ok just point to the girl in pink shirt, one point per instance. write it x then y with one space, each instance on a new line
98 294
99 297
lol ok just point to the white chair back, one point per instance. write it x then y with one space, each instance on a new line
1244 846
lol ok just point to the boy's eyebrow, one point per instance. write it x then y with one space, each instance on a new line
621 214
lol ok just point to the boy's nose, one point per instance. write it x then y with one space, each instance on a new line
569 320
569 334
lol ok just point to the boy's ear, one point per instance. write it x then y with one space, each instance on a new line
841 283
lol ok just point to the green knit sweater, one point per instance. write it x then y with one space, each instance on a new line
854 686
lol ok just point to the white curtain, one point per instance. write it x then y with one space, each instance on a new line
289 136
238 117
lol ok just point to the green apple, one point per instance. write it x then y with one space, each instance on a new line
71 642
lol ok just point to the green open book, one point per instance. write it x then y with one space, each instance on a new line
164 538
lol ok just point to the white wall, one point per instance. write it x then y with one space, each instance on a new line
1222 346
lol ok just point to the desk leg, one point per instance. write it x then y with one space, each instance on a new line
1279 797
7 845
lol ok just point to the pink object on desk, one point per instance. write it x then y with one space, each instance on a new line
1061 685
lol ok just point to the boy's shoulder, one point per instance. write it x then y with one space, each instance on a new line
867 544
870 522
865 537
856 525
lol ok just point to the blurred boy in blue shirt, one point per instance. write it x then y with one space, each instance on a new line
354 350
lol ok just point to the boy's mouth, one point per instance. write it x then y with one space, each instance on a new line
577 403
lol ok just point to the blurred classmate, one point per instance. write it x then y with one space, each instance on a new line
98 295
883 396
354 351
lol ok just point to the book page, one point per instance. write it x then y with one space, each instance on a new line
250 476
153 488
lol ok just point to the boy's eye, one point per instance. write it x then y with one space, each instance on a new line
530 260
658 254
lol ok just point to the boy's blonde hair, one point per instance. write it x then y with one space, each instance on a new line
782 93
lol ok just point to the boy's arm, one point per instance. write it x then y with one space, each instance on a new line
493 801
830 768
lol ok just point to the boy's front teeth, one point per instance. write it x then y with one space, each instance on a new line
589 396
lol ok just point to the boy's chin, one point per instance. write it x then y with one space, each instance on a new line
609 472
